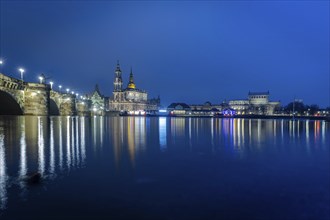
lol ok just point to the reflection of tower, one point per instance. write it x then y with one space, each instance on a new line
118 84
117 125
131 140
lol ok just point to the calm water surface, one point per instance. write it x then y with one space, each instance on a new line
164 168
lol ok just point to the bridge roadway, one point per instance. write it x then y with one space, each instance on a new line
25 98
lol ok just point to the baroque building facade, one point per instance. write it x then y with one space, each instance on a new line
257 103
130 98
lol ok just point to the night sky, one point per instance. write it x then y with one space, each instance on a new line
183 51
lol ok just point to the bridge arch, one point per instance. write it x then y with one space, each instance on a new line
54 108
9 104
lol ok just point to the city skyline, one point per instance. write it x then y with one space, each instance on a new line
191 52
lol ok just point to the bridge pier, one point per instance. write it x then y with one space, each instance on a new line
68 105
36 99
83 108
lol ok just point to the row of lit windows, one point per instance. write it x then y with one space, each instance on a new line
258 96
238 102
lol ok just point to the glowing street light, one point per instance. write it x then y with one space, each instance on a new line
21 70
51 85
72 92
41 79
1 63
67 90
60 87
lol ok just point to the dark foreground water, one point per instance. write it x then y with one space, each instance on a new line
164 168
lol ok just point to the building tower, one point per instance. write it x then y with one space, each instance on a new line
131 84
118 84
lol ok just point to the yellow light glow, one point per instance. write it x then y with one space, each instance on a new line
131 86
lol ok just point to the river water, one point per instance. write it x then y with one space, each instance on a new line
164 168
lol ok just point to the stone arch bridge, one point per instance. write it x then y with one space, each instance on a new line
18 97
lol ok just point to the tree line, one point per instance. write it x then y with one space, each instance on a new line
300 108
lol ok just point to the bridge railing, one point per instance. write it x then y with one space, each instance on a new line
11 83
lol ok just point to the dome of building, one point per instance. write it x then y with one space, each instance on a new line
131 86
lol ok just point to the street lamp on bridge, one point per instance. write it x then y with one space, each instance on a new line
41 78
60 87
51 84
21 70
67 90
1 63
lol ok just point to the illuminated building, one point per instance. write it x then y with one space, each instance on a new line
257 103
131 98
239 105
97 101
228 112
207 109
178 109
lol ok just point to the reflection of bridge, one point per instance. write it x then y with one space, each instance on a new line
18 97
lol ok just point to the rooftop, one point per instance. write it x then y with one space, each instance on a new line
259 93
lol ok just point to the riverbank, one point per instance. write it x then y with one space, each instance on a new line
250 117
281 117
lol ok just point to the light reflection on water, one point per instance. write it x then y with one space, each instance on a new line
56 145
41 150
162 133
23 157
3 173
52 150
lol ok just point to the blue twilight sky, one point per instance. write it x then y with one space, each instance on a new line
183 51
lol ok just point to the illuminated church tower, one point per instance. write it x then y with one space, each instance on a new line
130 98
118 85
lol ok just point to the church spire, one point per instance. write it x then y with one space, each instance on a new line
131 79
118 68
131 84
